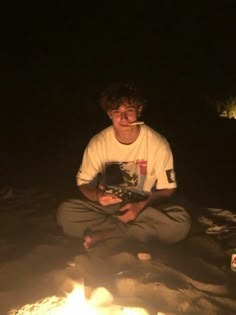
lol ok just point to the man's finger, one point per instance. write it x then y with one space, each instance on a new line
102 187
125 207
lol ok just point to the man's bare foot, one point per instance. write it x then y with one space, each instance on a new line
92 237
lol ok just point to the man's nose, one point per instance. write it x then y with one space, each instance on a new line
123 115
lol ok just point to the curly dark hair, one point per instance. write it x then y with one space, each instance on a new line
120 93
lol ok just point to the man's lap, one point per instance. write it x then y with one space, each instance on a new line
164 221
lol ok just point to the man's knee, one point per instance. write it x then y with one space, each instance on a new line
65 218
168 227
61 213
179 224
175 232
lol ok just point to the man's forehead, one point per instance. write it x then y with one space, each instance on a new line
124 105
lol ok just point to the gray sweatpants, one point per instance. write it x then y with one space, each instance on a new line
169 223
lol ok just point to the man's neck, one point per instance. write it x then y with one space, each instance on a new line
127 136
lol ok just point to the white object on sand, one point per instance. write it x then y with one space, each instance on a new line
144 256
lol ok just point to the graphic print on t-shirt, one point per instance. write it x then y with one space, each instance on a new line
128 174
125 180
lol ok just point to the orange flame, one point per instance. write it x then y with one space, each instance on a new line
76 303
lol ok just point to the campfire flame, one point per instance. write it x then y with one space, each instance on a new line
75 303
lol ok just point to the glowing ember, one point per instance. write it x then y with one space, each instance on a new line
75 303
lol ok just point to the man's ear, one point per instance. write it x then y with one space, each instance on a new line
109 114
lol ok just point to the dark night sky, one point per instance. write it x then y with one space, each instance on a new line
57 56
60 52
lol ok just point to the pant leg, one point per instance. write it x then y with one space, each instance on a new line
168 224
75 216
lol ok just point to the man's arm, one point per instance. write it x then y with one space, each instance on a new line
89 192
98 195
131 210
160 195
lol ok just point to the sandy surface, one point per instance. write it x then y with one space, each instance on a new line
37 261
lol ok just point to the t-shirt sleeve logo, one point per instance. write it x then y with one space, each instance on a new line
170 176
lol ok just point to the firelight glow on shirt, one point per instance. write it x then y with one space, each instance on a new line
146 164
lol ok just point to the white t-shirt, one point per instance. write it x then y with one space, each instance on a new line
145 164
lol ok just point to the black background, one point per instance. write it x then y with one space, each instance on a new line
57 57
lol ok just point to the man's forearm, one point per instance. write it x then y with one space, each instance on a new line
89 192
159 196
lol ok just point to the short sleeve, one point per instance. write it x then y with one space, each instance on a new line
90 166
164 169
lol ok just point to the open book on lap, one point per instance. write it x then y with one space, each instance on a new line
126 194
123 179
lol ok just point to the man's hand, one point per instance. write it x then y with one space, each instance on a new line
131 211
99 195
106 199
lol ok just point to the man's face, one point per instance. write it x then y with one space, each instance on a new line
124 115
